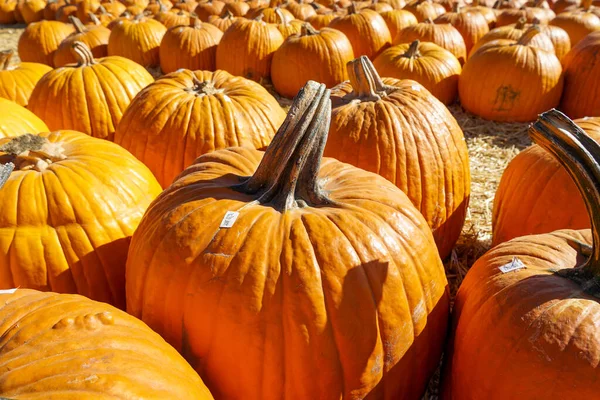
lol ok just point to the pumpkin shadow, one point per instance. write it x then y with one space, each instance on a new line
447 234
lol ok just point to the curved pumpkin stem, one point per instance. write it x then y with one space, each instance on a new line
82 54
5 57
413 50
366 82
528 35
79 27
307 30
287 176
282 20
580 156
94 18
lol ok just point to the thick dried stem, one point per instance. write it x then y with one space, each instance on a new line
79 27
352 8
82 54
366 82
94 18
288 173
413 50
282 20
5 57
521 23
529 34
29 151
456 7
307 30
580 156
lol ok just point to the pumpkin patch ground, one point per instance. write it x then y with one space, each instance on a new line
491 145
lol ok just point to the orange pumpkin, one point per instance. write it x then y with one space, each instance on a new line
578 23
73 202
581 94
186 114
542 313
444 35
7 8
536 194
379 7
51 9
508 80
322 258
210 8
16 120
427 63
396 20
224 22
64 12
472 26
32 10
95 37
172 18
89 96
514 32
398 130
425 9
365 29
138 39
237 8
271 15
114 7
247 49
300 9
488 13
286 28
84 7
313 55
40 40
17 81
512 16
185 5
559 38
190 47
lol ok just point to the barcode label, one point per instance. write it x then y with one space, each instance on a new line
514 265
229 219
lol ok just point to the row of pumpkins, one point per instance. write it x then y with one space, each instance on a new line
280 273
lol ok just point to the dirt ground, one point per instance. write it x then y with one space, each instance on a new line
491 147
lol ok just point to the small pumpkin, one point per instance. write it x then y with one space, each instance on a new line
95 38
191 47
581 94
320 21
530 14
247 47
40 40
320 251
542 312
224 22
472 26
89 96
113 7
237 8
17 81
444 35
537 195
578 23
51 9
272 15
365 29
390 127
138 39
425 9
427 63
508 80
84 7
186 114
172 18
185 5
312 55
73 202
7 8
32 10
396 20
300 9
16 120
210 8
488 13
64 12
95 351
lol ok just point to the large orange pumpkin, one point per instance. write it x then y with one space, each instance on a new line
190 47
247 48
471 25
313 55
427 63
581 94
365 29
90 96
95 37
399 130
17 81
327 268
444 35
525 323
69 209
65 346
16 120
138 39
508 80
40 40
536 195
186 114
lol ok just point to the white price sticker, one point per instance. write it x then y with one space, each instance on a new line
514 265
8 291
229 219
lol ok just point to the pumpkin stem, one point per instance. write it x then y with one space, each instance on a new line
228 14
287 176
5 57
79 27
352 8
195 21
428 21
282 20
259 17
580 156
203 88
94 18
528 35
102 10
366 82
82 54
413 50
139 17
456 7
306 30
31 152
521 23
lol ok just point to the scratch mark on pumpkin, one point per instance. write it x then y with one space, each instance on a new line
506 97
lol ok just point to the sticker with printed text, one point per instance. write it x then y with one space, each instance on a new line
229 219
514 265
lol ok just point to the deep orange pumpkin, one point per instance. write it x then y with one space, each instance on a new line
578 23
17 81
224 22
95 37
172 18
471 25
16 120
396 20
444 35
40 40
138 40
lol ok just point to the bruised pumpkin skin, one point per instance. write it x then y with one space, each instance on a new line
68 347
537 195
339 276
186 114
16 120
532 333
17 81
90 96
399 130
67 221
